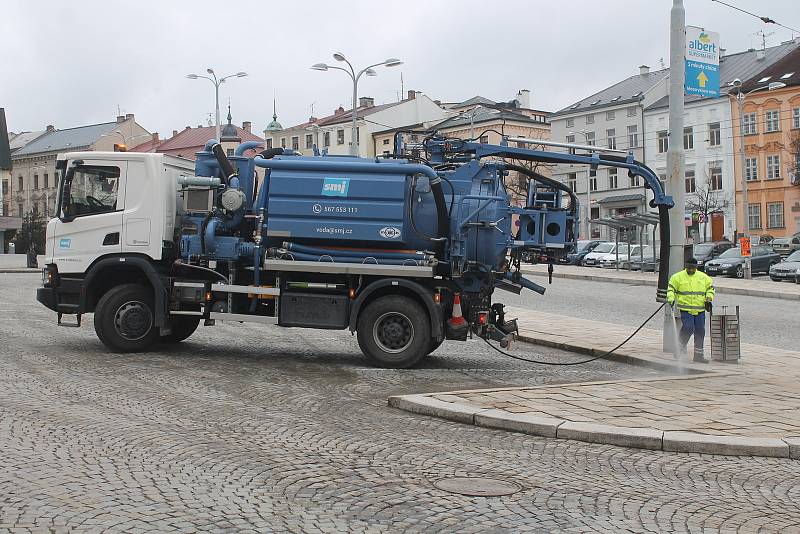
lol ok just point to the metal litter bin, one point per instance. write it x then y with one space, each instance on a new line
725 340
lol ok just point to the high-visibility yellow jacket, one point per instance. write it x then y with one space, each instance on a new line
690 292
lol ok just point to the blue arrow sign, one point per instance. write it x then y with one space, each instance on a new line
702 79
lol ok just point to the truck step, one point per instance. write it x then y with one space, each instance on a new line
76 324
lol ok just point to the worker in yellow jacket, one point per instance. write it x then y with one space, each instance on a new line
692 292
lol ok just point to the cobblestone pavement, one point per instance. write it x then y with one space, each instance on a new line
287 430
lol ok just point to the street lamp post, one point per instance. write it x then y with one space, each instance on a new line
588 190
355 76
740 96
217 82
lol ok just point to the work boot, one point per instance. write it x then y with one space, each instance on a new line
699 359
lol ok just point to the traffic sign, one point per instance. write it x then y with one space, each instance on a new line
744 243
702 62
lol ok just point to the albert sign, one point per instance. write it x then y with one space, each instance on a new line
702 62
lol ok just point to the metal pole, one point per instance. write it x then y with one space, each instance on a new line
745 204
675 156
588 204
216 94
354 132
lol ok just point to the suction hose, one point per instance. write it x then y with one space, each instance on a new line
663 262
227 169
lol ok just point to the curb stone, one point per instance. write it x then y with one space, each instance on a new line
641 438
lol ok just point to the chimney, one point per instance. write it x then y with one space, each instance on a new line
174 133
438 102
644 70
246 126
366 102
51 128
338 111
155 137
199 125
524 98
412 94
129 116
721 52
760 54
120 118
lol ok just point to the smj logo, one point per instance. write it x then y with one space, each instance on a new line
64 243
389 232
335 187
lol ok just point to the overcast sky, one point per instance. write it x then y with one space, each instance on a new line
72 63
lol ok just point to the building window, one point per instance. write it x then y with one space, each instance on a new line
592 173
571 123
611 136
230 152
21 209
632 111
715 176
20 184
775 215
36 181
610 115
339 137
754 216
295 142
590 118
714 138
749 120
688 138
772 121
612 179
309 141
283 142
571 139
590 138
634 181
633 136
358 134
774 167
326 139
385 141
751 169
593 182
663 141
663 179
796 118
46 180
269 144
572 181
484 139
5 190
691 184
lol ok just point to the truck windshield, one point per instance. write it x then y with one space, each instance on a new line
89 190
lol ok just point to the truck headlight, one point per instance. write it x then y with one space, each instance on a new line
50 275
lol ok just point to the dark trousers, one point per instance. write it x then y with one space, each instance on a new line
693 325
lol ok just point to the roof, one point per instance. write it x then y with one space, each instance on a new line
483 114
748 67
151 145
194 137
361 112
21 139
785 70
628 90
67 139
622 198
475 100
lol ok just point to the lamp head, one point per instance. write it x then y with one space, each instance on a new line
192 76
775 85
338 56
210 71
392 62
319 66
370 72
241 74
737 83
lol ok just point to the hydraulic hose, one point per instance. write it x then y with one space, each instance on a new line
385 254
367 260
663 262
224 164
442 217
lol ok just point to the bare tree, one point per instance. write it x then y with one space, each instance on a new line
517 182
794 152
705 201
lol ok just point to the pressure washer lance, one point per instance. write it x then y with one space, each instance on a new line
582 361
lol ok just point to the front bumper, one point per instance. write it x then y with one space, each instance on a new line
715 270
47 296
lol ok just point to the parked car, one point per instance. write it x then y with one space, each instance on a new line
786 245
787 269
764 239
635 252
593 258
583 248
731 262
648 263
797 277
704 252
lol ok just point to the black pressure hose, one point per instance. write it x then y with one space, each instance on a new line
227 169
663 262
271 152
442 218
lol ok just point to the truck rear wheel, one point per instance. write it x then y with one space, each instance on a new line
394 332
124 319
182 328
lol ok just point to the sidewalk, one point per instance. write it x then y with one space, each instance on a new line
746 408
754 288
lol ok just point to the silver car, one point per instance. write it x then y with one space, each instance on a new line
787 269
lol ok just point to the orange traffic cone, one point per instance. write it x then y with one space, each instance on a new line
458 318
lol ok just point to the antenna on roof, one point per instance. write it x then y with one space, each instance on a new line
662 63
402 86
763 38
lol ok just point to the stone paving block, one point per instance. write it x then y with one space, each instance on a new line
727 445
425 405
640 438
794 447
538 425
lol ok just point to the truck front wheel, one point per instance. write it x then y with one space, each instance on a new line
124 319
182 328
394 332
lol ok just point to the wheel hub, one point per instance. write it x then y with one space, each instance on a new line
393 332
133 320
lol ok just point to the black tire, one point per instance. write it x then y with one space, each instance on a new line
182 327
394 332
739 273
124 319
433 345
774 279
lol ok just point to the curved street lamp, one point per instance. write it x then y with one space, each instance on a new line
217 82
355 76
